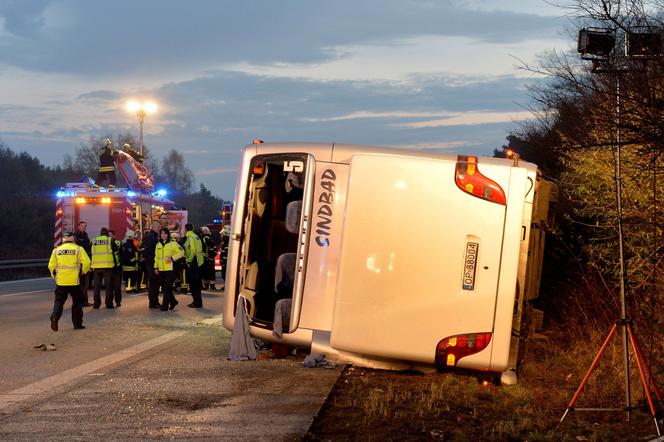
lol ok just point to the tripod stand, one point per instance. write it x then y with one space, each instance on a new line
624 323
628 325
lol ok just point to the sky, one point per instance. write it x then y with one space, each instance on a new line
438 75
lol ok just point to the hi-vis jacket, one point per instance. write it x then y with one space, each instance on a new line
102 253
165 254
66 262
193 247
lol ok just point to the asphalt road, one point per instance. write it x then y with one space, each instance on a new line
137 373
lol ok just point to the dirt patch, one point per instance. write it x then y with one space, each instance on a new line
381 405
192 401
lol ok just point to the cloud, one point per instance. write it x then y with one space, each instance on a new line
357 115
99 96
153 36
215 171
469 119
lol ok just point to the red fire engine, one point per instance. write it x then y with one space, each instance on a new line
133 208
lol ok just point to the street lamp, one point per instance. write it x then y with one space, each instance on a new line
141 109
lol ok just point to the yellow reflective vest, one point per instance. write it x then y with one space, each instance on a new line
194 248
165 254
102 253
116 254
66 262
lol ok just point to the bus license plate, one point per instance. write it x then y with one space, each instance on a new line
469 264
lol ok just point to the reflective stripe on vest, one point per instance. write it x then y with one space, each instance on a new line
102 254
59 266
106 168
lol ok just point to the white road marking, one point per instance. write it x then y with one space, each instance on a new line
30 391
8 295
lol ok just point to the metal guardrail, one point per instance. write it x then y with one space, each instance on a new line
23 263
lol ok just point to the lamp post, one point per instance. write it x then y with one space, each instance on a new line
141 109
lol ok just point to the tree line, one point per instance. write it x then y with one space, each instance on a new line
582 111
28 192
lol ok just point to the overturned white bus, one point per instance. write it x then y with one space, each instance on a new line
387 258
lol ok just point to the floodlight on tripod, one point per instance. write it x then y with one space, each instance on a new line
596 43
644 43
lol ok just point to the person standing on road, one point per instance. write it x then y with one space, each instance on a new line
193 247
102 266
150 240
129 259
67 262
209 253
116 274
167 252
83 240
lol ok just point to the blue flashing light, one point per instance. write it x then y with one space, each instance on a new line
161 192
131 194
61 194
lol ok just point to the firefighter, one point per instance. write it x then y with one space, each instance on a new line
133 153
106 165
116 274
129 260
102 266
166 253
223 248
67 262
141 276
209 253
193 247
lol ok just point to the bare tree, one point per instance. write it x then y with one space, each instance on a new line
175 174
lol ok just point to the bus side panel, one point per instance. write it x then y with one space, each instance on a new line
509 270
234 244
326 226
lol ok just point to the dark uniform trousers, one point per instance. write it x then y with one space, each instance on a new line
85 285
116 279
61 292
166 279
153 285
195 283
106 274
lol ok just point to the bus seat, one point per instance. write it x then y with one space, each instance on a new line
284 275
294 181
260 200
249 287
293 214
281 322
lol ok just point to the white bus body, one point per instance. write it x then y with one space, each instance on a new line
387 258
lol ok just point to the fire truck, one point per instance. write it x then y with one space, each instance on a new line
118 209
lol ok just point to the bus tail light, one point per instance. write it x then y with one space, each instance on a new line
453 348
469 179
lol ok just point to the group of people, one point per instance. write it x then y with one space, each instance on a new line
157 261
